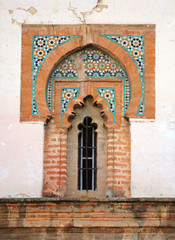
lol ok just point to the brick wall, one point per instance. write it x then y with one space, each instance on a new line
115 154
55 153
119 160
138 219
35 79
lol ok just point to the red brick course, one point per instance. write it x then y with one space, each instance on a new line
55 151
145 219
118 162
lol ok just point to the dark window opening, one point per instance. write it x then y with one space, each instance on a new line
87 155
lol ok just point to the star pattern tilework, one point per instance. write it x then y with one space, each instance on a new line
109 95
66 69
49 94
42 46
67 95
97 64
134 45
127 93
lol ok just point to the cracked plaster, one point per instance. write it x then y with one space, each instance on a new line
81 9
20 15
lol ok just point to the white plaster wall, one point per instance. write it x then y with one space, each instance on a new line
153 143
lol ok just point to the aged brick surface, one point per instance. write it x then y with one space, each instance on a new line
113 156
55 152
117 174
89 35
118 161
138 219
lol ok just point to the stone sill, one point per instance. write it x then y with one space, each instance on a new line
63 213
102 200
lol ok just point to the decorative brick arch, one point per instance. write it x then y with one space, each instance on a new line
75 44
127 62
49 64
80 100
71 39
118 177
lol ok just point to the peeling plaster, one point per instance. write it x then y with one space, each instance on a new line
10 11
19 195
82 9
31 10
20 15
23 195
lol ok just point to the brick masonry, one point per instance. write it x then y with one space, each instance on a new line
57 163
55 167
80 36
138 219
131 48
118 161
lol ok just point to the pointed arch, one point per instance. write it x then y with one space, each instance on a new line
104 44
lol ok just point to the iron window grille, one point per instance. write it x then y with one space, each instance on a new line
87 155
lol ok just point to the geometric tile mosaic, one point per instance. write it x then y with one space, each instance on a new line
109 95
67 94
97 64
66 69
42 46
127 93
134 45
49 91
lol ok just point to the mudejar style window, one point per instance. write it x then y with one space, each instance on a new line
87 155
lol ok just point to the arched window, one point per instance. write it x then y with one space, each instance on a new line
87 155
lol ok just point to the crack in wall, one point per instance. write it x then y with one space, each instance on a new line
73 10
80 10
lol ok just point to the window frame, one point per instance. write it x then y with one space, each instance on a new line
87 155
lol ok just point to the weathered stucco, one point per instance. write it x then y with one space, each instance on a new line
153 142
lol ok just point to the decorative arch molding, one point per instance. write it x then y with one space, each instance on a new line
119 53
104 38
43 45
118 139
52 60
113 119
98 101
134 46
89 64
56 181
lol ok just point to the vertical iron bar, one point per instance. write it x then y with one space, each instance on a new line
81 162
86 153
93 185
